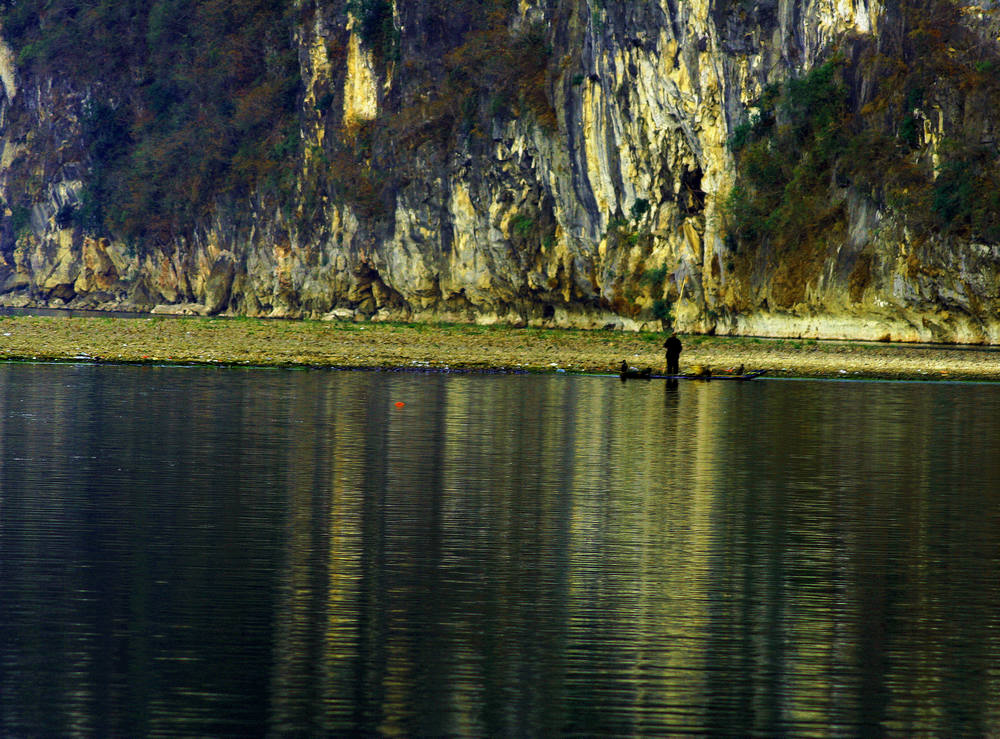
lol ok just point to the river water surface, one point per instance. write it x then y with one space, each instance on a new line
192 551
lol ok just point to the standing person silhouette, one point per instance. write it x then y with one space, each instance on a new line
673 347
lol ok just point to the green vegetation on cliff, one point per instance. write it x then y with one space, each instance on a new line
185 102
187 105
787 153
904 119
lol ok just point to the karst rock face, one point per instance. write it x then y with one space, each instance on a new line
560 162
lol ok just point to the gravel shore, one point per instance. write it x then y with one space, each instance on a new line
285 343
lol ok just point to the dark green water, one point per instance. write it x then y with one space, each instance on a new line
208 552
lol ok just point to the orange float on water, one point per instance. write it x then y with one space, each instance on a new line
400 403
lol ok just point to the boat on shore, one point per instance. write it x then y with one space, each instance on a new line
745 376
633 373
699 373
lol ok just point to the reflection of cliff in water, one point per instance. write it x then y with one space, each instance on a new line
831 591
241 551
511 539
133 574
434 572
724 569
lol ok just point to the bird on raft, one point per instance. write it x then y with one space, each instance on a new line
633 373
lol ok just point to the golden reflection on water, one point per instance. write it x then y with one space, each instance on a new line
500 555
623 565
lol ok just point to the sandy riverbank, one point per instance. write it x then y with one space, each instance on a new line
262 342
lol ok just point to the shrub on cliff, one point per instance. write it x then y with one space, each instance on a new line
813 136
187 100
786 156
376 26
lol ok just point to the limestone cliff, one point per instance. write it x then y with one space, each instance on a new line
543 161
